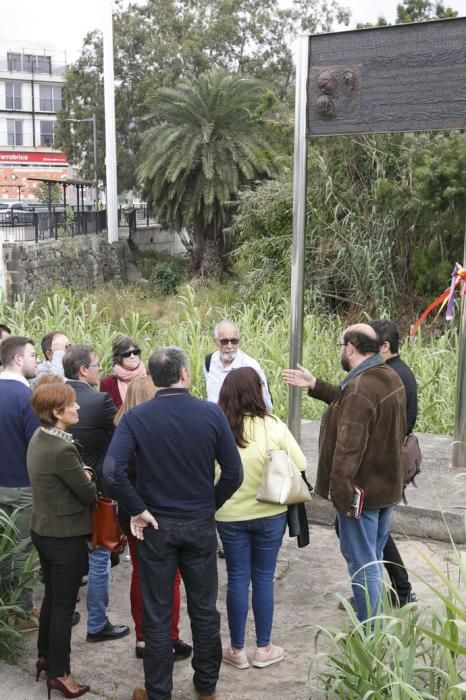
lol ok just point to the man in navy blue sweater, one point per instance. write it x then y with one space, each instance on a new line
18 423
177 439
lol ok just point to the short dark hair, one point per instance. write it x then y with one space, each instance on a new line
75 357
387 332
49 396
121 345
165 366
241 395
363 343
4 329
47 340
13 346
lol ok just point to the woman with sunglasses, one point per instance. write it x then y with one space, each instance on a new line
127 365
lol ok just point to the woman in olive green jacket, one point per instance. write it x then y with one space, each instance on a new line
62 493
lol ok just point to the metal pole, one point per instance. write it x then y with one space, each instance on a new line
110 142
459 444
94 137
2 265
299 230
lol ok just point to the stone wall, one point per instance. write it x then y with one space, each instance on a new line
80 263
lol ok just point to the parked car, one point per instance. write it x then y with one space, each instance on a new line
16 214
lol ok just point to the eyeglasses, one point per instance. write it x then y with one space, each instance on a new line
28 354
94 364
225 341
340 345
128 353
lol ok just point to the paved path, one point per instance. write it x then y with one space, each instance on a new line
307 585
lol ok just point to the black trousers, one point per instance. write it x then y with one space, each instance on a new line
191 546
63 562
396 570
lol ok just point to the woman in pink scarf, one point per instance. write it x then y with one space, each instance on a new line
127 366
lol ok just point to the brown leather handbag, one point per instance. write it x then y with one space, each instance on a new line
106 530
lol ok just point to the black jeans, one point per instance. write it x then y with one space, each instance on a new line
192 546
63 561
396 570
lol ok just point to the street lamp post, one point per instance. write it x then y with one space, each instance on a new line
19 187
94 139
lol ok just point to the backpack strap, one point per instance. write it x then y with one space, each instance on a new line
207 362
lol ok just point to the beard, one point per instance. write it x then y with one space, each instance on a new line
228 355
345 363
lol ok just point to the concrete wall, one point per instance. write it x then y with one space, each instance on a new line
154 238
80 263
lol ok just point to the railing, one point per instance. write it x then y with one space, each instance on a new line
136 217
38 226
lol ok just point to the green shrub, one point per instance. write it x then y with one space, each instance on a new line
166 277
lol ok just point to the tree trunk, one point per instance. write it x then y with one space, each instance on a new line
207 253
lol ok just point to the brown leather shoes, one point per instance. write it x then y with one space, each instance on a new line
139 694
210 696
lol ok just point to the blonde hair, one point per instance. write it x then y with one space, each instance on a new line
139 391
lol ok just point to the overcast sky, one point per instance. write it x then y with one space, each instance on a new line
62 24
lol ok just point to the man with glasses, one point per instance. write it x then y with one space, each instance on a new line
360 445
93 431
228 356
18 423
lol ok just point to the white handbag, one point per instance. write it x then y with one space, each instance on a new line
281 483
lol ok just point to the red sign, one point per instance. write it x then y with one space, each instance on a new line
26 157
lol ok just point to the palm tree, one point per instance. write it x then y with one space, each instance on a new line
207 143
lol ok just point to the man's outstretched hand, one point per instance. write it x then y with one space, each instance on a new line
300 377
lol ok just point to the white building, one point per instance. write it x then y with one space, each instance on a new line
31 83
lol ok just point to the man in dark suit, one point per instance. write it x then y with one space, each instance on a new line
94 431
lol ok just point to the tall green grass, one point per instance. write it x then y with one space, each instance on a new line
188 320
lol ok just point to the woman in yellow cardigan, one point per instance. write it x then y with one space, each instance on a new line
252 532
62 493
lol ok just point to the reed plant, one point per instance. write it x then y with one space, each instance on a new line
12 584
411 653
188 319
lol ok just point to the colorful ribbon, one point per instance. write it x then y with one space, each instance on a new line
447 297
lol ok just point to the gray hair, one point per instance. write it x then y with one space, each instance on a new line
165 366
222 323
75 357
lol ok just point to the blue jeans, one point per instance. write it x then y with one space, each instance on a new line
251 549
98 584
191 546
362 541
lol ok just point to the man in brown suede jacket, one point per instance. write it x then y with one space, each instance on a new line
361 440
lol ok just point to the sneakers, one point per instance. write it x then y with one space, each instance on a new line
266 656
235 657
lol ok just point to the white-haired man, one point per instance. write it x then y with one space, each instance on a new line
228 356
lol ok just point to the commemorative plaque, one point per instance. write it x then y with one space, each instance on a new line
408 77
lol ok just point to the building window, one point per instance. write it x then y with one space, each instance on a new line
50 98
44 64
46 133
15 132
13 95
29 63
14 61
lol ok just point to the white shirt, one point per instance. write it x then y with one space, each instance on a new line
215 377
8 374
